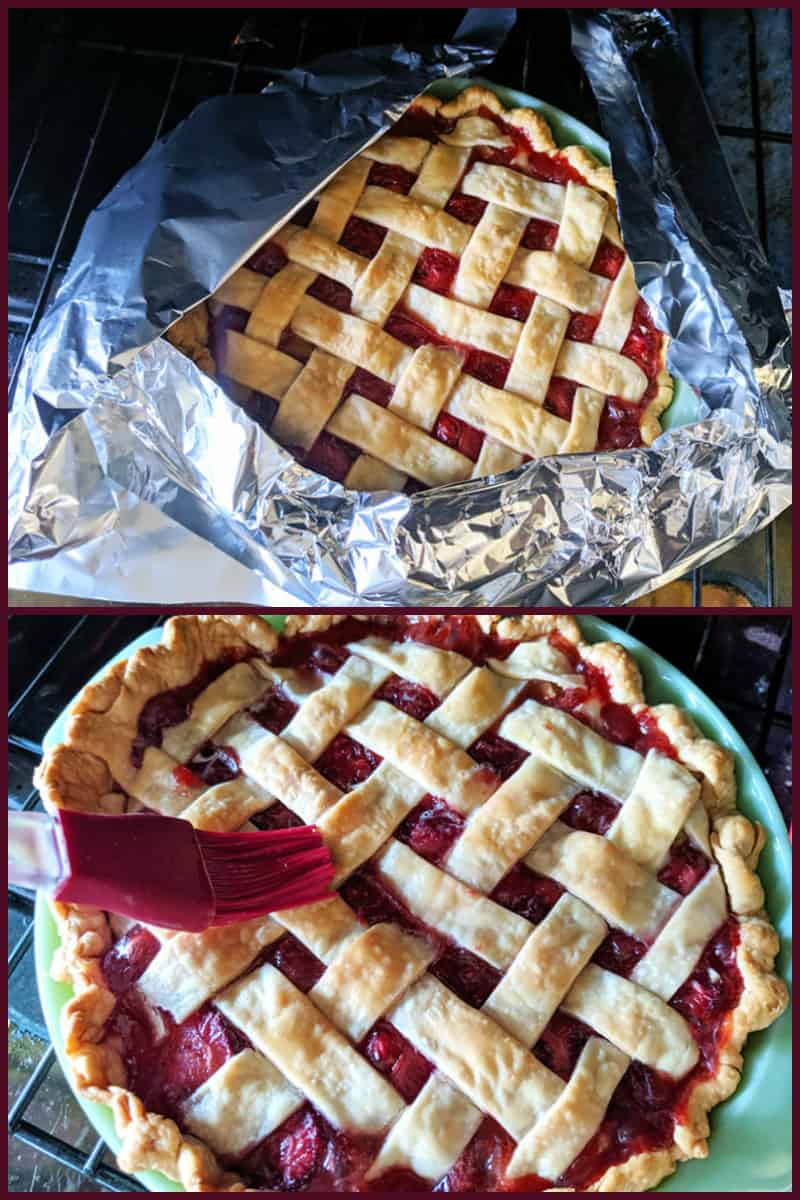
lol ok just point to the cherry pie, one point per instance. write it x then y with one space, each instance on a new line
458 301
546 948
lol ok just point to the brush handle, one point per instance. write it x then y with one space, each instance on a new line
37 855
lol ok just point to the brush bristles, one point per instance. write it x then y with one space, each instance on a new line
255 873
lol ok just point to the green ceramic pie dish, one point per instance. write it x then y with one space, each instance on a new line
750 1148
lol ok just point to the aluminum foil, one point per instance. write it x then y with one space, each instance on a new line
133 477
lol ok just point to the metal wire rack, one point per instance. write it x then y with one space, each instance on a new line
91 90
743 663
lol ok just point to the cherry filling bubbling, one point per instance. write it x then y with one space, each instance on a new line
393 178
395 1057
214 764
292 959
411 698
346 763
431 828
274 710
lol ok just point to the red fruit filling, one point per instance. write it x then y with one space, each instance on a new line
274 710
539 235
482 1163
435 270
394 178
552 169
526 893
299 1148
297 347
686 866
711 991
619 952
306 1153
514 302
214 764
268 259
166 1062
560 394
398 1180
608 260
395 1057
468 209
362 237
504 758
259 408
328 658
346 763
644 342
470 977
418 122
185 779
129 958
372 901
431 828
364 383
458 434
412 698
581 327
219 323
591 812
330 456
297 963
560 1045
620 427
277 816
330 292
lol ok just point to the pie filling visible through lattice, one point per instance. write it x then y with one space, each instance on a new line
456 302
546 948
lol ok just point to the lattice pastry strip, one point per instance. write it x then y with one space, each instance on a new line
596 871
633 1019
190 968
489 1066
371 972
550 961
430 1134
451 908
429 758
674 954
502 831
241 1103
558 1138
310 1052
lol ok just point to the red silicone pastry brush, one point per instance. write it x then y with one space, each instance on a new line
161 871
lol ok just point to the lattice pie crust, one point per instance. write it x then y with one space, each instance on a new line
303 1045
459 302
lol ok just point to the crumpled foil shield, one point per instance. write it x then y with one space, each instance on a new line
133 477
